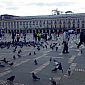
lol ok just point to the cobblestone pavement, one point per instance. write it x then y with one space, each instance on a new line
5 83
24 65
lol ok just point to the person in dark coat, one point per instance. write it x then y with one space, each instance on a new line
13 36
35 36
82 39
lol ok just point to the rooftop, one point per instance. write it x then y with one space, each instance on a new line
73 15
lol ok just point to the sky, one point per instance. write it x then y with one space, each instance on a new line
40 7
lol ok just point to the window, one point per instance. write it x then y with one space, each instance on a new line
11 24
73 21
0 23
59 26
44 22
36 22
17 24
55 22
60 22
78 25
73 25
82 21
68 25
40 22
8 24
69 21
20 22
14 24
64 25
78 21
82 25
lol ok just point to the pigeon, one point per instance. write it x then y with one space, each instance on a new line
35 77
43 46
56 48
29 53
11 64
18 55
38 48
46 46
14 50
4 60
11 78
14 57
19 51
81 51
50 59
34 53
53 81
35 61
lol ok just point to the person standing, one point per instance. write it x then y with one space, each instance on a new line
35 61
69 72
82 39
35 36
18 37
24 37
65 41
13 36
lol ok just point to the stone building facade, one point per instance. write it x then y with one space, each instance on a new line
42 24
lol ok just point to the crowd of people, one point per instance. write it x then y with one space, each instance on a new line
37 37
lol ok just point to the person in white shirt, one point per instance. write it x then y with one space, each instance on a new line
65 41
